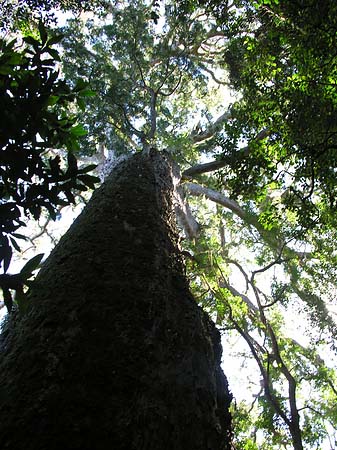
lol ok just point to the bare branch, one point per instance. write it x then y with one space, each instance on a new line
210 35
134 129
125 136
141 72
172 91
276 243
235 263
203 168
43 229
277 260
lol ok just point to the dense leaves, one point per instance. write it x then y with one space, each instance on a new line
261 251
284 65
281 58
277 159
143 76
18 14
36 119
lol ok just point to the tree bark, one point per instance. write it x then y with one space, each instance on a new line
113 352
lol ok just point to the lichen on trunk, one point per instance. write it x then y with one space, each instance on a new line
114 353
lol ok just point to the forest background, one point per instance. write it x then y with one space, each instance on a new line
242 95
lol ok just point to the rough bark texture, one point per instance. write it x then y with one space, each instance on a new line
114 353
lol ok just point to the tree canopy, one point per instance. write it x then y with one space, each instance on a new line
257 194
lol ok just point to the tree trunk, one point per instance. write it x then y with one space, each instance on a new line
114 353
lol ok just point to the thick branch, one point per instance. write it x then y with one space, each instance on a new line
203 168
221 199
210 35
183 212
218 163
184 215
153 114
212 129
243 297
276 244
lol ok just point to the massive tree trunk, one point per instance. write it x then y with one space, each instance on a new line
114 353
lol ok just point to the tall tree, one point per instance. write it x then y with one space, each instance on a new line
271 179
273 188
156 379
113 351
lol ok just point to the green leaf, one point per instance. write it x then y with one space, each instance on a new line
70 196
80 85
48 62
31 265
89 180
80 103
20 236
52 100
6 255
54 53
43 32
87 169
21 300
88 93
72 144
15 244
51 211
54 40
10 45
72 163
6 70
31 41
78 131
8 299
15 59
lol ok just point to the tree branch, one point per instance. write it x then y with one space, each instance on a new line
219 163
184 215
211 130
153 113
212 74
203 168
221 199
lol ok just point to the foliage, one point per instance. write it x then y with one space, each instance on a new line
285 71
19 13
278 161
36 118
266 253
149 79
112 116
